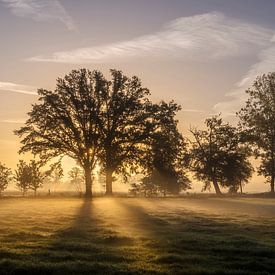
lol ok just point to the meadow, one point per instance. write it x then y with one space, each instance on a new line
137 236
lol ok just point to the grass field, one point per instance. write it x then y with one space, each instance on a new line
137 236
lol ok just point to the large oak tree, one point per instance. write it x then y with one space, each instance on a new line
124 125
90 119
65 121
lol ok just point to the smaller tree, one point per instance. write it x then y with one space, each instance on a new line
218 156
56 172
135 189
36 176
29 176
54 175
23 176
145 188
239 170
77 179
5 177
150 184
165 154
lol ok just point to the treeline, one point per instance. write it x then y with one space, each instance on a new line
31 176
113 124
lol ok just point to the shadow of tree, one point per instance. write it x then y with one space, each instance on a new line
88 246
121 236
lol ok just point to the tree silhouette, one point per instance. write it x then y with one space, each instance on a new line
5 177
65 121
257 119
164 159
123 124
147 188
218 156
36 176
238 169
55 174
23 176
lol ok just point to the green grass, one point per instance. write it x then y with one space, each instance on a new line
137 236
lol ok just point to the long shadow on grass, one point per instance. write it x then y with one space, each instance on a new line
86 246
186 243
196 244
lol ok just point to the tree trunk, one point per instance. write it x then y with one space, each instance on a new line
217 188
109 182
88 181
272 184
241 187
272 169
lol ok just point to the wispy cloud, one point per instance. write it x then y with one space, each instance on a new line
237 97
17 88
193 111
211 35
41 11
13 121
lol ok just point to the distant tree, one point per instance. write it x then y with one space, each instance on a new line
145 188
5 177
257 118
36 176
218 156
77 179
135 189
123 125
23 176
149 187
55 174
164 159
238 170
65 121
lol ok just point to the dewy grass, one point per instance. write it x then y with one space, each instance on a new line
137 236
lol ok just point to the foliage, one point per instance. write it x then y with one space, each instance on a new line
257 120
36 175
88 117
146 188
23 176
55 174
65 121
164 161
5 177
29 176
218 156
123 124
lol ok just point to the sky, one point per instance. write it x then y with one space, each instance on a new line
203 54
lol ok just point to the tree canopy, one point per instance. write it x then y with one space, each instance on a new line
217 155
123 124
5 177
257 120
91 120
65 121
163 162
113 124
